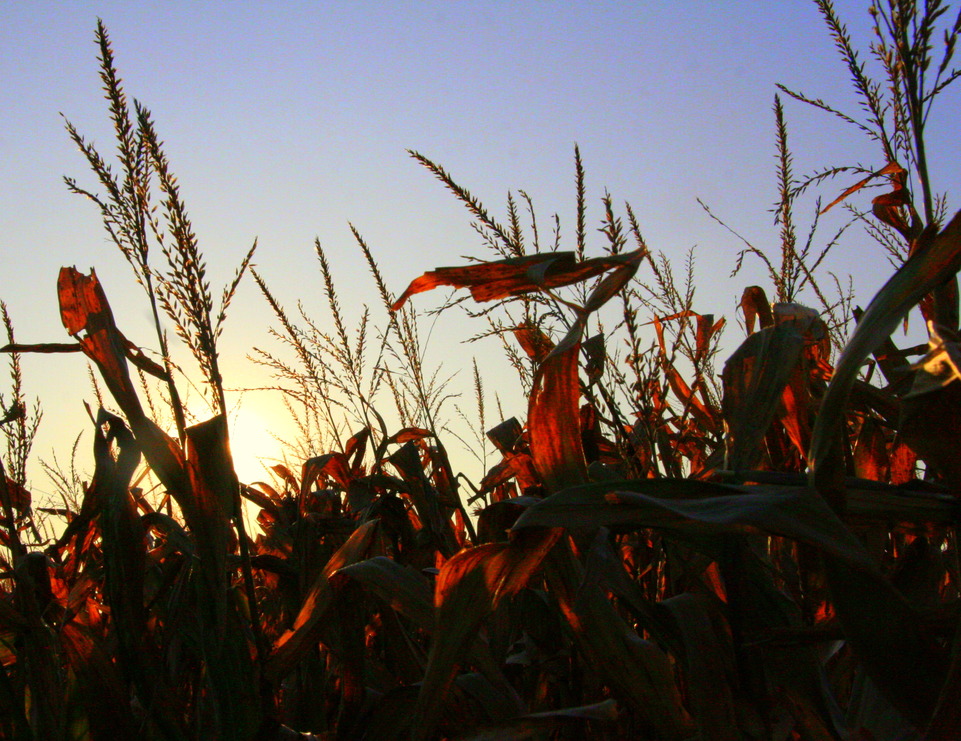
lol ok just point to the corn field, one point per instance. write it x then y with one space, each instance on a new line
667 544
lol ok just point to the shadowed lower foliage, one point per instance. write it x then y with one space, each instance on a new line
662 550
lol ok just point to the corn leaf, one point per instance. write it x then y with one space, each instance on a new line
929 267
637 670
469 586
490 281
303 635
535 724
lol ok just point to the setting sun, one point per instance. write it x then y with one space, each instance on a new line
252 446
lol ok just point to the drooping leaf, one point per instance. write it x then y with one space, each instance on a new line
409 434
892 168
425 497
700 507
334 465
410 594
709 664
104 694
637 670
407 591
506 435
755 378
888 637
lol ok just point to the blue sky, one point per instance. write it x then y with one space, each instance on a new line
286 121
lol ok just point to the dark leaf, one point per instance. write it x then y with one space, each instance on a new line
469 586
535 724
925 270
295 642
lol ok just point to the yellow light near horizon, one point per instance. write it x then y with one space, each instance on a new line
252 446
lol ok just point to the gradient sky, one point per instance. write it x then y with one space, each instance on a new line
286 121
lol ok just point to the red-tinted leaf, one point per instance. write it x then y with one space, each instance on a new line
553 422
468 587
288 477
871 452
704 416
904 463
296 641
533 341
490 281
755 306
410 434
334 465
44 347
84 308
892 168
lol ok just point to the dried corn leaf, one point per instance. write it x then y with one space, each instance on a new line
468 587
489 281
553 422
754 379
103 692
533 341
302 636
84 308
637 670
710 670
755 307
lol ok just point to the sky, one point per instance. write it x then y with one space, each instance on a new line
286 122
